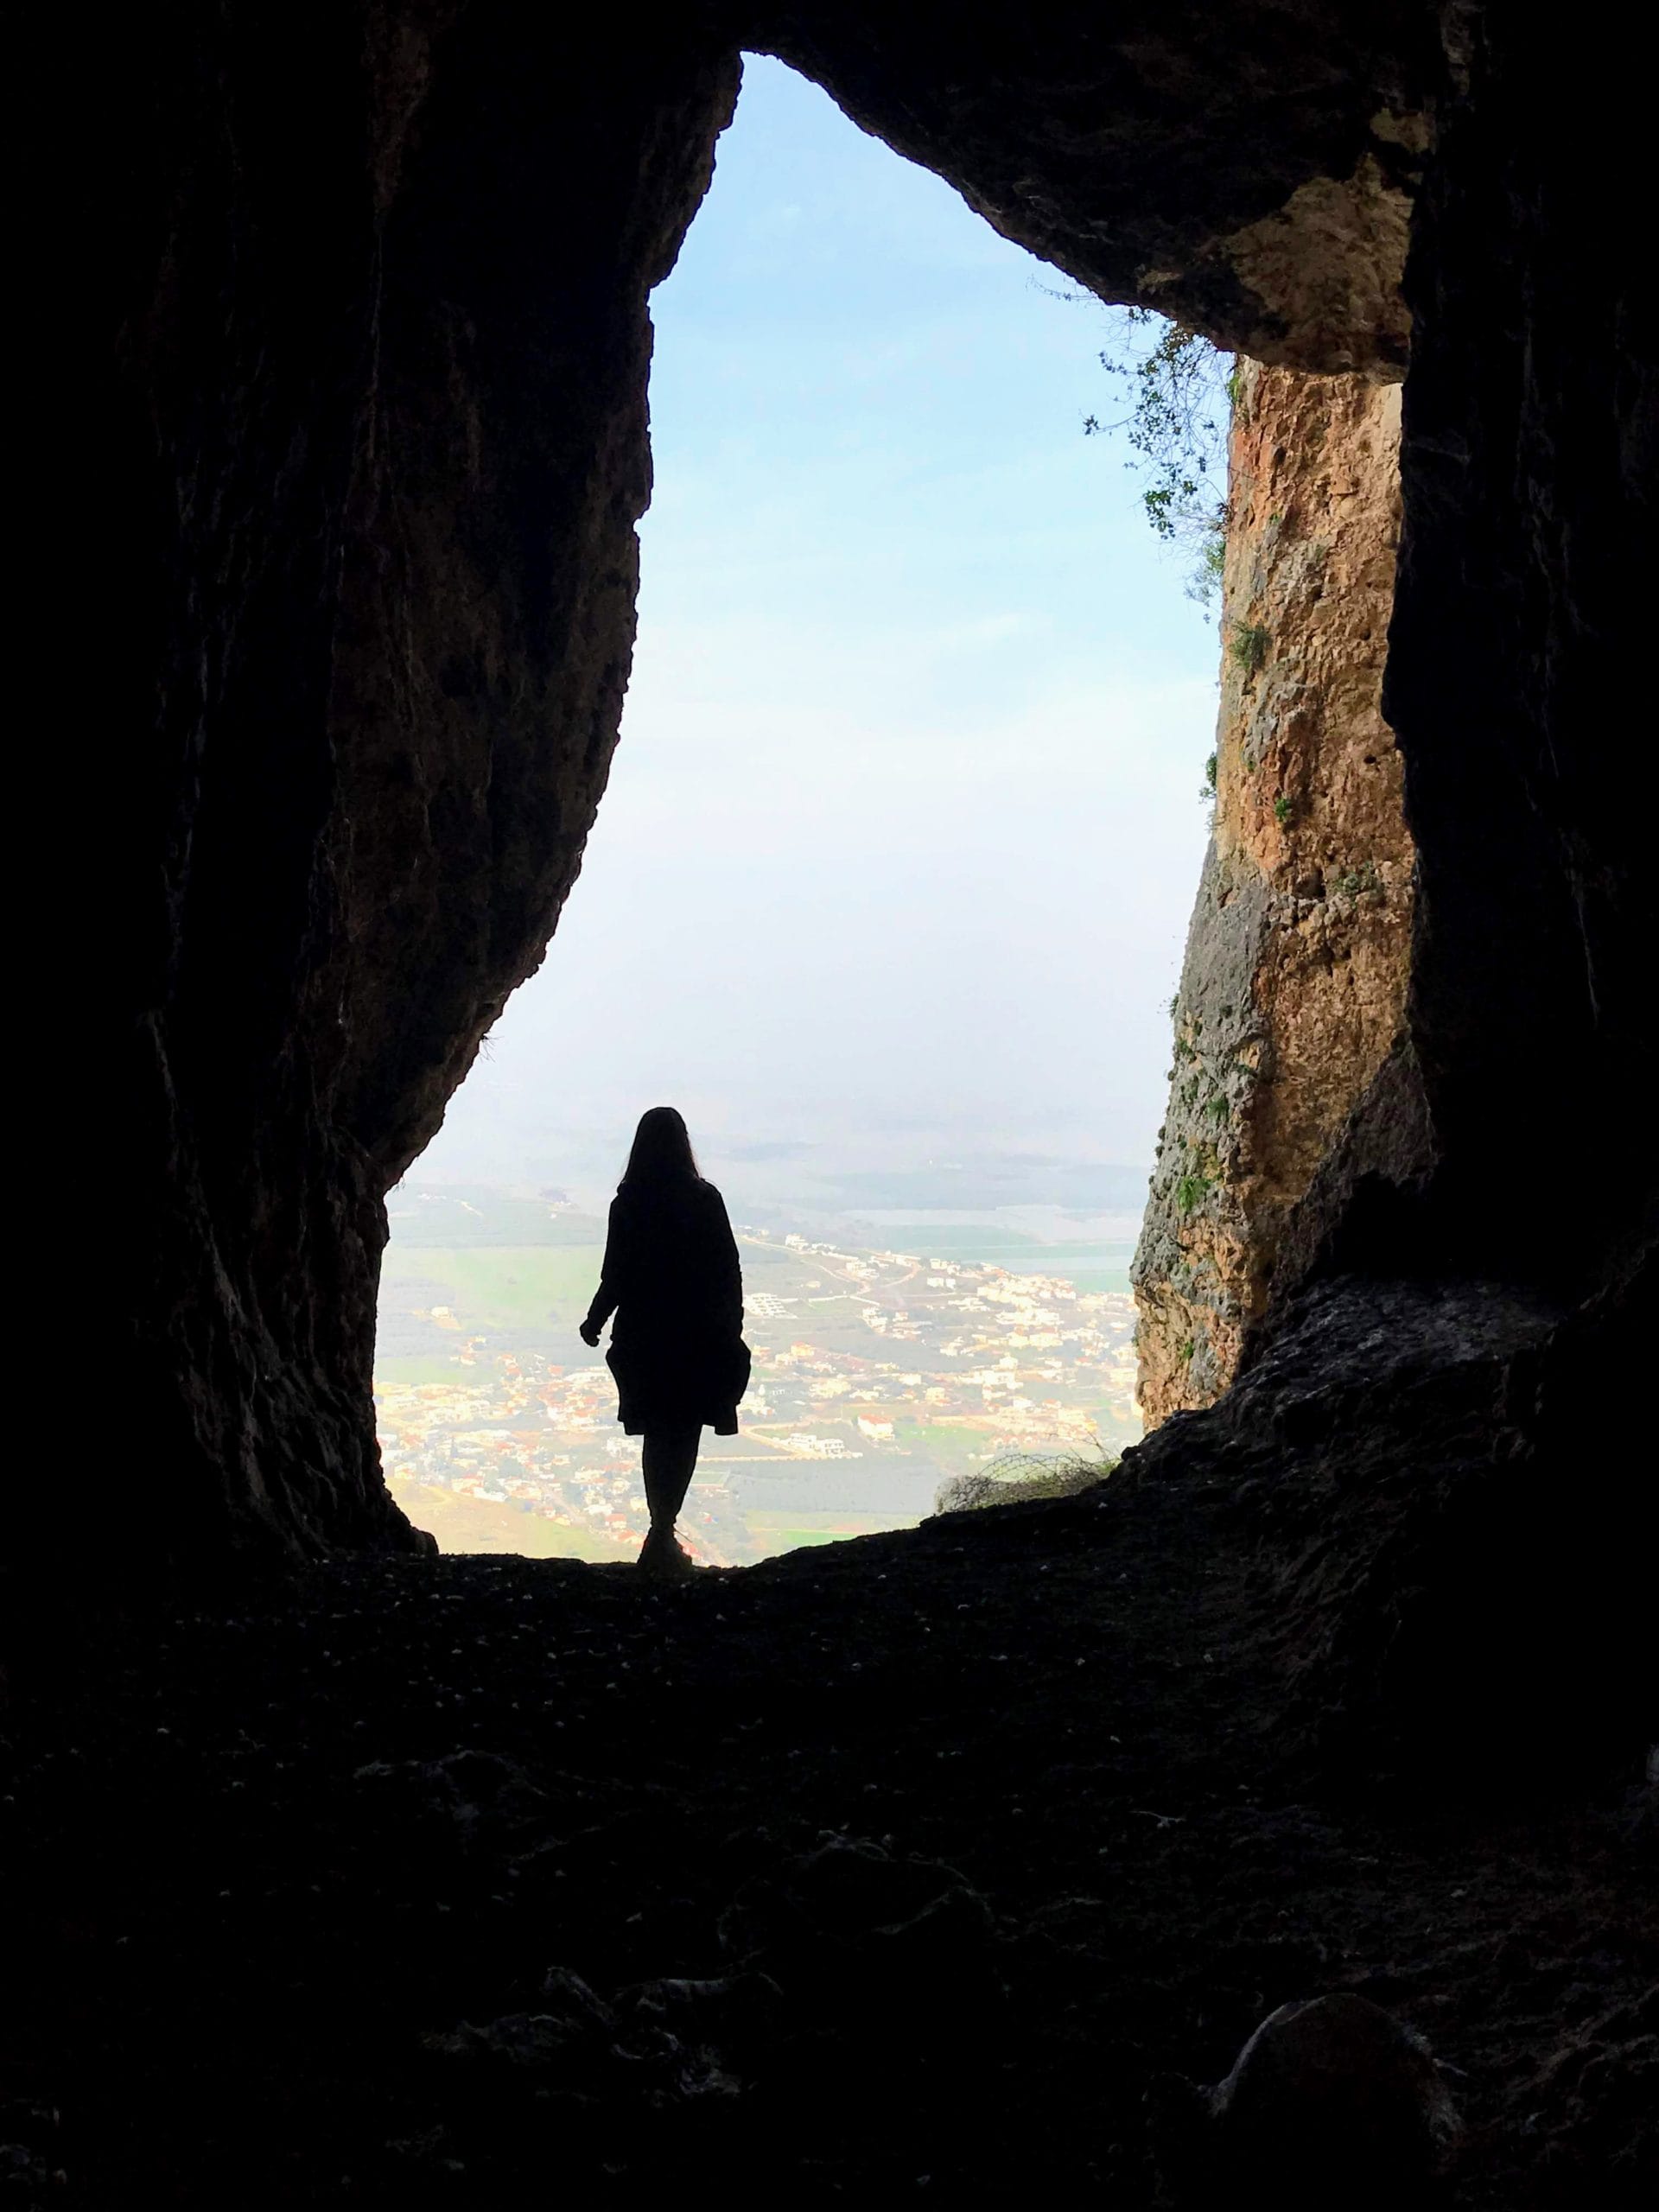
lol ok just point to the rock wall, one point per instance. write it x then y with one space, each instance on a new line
1522 633
374 275
380 443
1293 987
1250 172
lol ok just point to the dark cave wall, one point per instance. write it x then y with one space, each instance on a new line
245 1223
487 593
1519 653
377 445
380 448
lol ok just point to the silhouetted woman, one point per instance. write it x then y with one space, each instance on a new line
673 1278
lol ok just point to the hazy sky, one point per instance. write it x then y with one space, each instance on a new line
904 828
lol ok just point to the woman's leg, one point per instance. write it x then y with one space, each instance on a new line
670 1458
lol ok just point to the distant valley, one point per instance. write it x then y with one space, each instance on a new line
878 1369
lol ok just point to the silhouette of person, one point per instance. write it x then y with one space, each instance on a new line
673 1278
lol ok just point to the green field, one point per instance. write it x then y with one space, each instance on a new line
786 1532
475 1214
437 1369
479 1524
499 1286
949 1439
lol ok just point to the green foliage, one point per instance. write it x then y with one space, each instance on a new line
1250 647
1182 391
1186 1349
1282 809
1217 1107
1356 882
1210 768
1210 572
1191 1191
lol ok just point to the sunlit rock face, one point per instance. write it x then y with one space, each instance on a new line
376 294
1293 991
1479 1139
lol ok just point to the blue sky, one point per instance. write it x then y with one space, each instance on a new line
904 828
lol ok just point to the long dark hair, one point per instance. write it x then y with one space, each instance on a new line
662 1150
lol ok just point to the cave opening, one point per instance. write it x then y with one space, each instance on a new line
349 1874
887 888
386 507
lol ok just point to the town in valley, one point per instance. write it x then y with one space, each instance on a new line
877 1374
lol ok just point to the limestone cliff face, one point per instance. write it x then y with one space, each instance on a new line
1293 991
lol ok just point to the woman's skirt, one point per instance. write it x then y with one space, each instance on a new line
678 1382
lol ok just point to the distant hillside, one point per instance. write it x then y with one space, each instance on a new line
525 1297
984 1182
462 1215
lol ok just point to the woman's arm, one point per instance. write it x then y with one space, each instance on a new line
608 1296
727 1271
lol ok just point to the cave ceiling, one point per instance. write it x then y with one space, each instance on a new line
1249 170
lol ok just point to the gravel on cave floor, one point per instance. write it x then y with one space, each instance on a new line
906 1864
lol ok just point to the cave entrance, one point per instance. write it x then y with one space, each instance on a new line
888 892
378 450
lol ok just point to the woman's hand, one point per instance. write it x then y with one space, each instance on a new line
589 1334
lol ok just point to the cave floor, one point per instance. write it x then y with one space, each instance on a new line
907 1864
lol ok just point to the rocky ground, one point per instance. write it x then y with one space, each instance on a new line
918 1867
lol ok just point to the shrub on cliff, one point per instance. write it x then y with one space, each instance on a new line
1019 1477
1182 391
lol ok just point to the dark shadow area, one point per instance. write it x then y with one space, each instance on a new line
963 1853
950 1860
